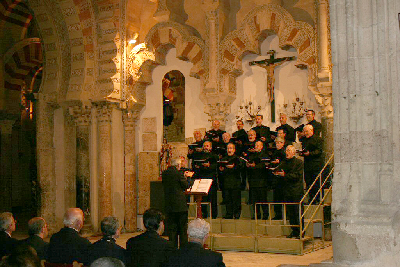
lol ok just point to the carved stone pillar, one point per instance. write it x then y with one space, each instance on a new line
212 39
323 40
129 120
46 158
82 116
6 125
365 57
104 159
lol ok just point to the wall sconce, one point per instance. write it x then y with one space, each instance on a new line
296 109
248 111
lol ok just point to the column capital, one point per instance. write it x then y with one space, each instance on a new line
81 114
104 110
210 5
130 117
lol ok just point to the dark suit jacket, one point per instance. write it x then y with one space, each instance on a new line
293 179
67 246
174 184
194 255
7 244
148 250
39 245
105 247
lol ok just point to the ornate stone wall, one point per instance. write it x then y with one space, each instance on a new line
366 82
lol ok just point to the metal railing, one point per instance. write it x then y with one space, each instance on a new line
302 213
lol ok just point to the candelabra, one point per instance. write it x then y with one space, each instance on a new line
295 110
248 112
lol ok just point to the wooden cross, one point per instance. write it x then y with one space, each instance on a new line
269 65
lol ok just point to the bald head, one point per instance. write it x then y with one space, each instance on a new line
308 130
290 151
73 218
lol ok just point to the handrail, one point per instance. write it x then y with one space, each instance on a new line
318 177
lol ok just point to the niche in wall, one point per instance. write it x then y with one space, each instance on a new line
173 88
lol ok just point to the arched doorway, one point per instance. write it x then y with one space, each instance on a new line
173 86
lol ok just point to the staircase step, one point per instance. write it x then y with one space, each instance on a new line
261 243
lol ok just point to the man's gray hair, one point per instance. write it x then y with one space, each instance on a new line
198 229
6 219
72 216
35 225
109 226
107 262
176 162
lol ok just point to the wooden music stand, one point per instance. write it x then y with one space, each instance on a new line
199 189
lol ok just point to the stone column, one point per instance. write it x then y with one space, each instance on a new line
323 39
82 117
6 125
129 119
46 158
366 81
104 159
324 86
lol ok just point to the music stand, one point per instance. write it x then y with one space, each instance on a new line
199 189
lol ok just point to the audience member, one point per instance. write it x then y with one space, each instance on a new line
149 249
67 245
107 262
106 246
175 184
37 229
22 255
7 226
193 254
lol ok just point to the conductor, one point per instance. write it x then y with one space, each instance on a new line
175 183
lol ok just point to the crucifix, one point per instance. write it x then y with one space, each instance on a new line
269 65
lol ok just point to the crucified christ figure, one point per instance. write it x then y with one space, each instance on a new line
269 65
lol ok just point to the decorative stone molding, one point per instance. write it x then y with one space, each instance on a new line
81 114
261 20
188 46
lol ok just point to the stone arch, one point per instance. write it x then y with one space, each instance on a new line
271 18
188 46
21 59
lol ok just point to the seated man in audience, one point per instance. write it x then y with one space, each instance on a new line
149 249
67 245
37 229
107 262
22 255
193 254
106 247
291 172
7 226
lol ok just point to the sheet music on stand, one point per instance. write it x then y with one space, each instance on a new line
200 186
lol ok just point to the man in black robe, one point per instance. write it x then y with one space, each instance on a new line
289 130
291 172
7 226
313 160
230 168
175 183
258 180
263 132
205 167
